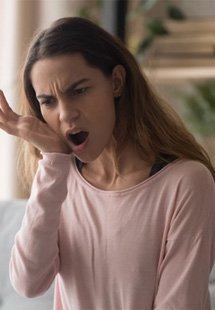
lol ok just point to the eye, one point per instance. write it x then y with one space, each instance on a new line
79 91
47 102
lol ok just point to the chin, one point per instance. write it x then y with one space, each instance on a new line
87 158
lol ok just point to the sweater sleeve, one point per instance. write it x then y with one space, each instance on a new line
190 245
34 258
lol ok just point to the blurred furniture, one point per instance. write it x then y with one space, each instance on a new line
11 214
186 53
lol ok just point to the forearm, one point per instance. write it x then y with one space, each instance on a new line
34 258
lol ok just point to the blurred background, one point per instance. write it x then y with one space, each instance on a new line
173 41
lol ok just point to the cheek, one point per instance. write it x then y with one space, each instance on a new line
104 111
44 115
106 118
49 118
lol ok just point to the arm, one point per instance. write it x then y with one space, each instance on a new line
35 258
190 246
35 261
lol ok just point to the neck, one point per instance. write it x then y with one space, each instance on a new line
103 173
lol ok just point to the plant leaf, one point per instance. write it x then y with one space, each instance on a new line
174 12
156 26
147 4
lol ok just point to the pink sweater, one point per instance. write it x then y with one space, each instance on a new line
151 246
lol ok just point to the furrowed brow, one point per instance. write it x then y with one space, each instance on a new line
68 88
75 84
44 96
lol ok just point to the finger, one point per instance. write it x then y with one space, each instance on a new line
2 117
3 103
4 127
9 114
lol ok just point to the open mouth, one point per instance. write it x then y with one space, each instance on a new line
78 137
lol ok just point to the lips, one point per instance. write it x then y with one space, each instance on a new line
77 138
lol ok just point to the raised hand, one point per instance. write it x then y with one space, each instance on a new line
30 129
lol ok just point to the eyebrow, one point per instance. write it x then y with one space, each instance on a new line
68 88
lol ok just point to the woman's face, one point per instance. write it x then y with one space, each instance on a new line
77 102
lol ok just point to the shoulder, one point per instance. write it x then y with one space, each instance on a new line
190 172
193 187
186 178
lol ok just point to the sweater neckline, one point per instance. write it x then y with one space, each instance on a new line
129 189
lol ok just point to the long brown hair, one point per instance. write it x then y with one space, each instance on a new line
151 124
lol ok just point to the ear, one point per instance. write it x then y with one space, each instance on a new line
118 80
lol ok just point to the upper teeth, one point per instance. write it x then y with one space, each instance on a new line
74 132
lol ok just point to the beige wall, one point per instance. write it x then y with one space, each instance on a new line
19 19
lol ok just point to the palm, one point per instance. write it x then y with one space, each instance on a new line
30 129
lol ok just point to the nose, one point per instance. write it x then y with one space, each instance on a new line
68 113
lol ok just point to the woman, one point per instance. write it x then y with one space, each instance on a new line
122 206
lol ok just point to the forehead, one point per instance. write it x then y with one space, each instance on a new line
61 69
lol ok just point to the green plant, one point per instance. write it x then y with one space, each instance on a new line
200 109
147 4
155 26
91 10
